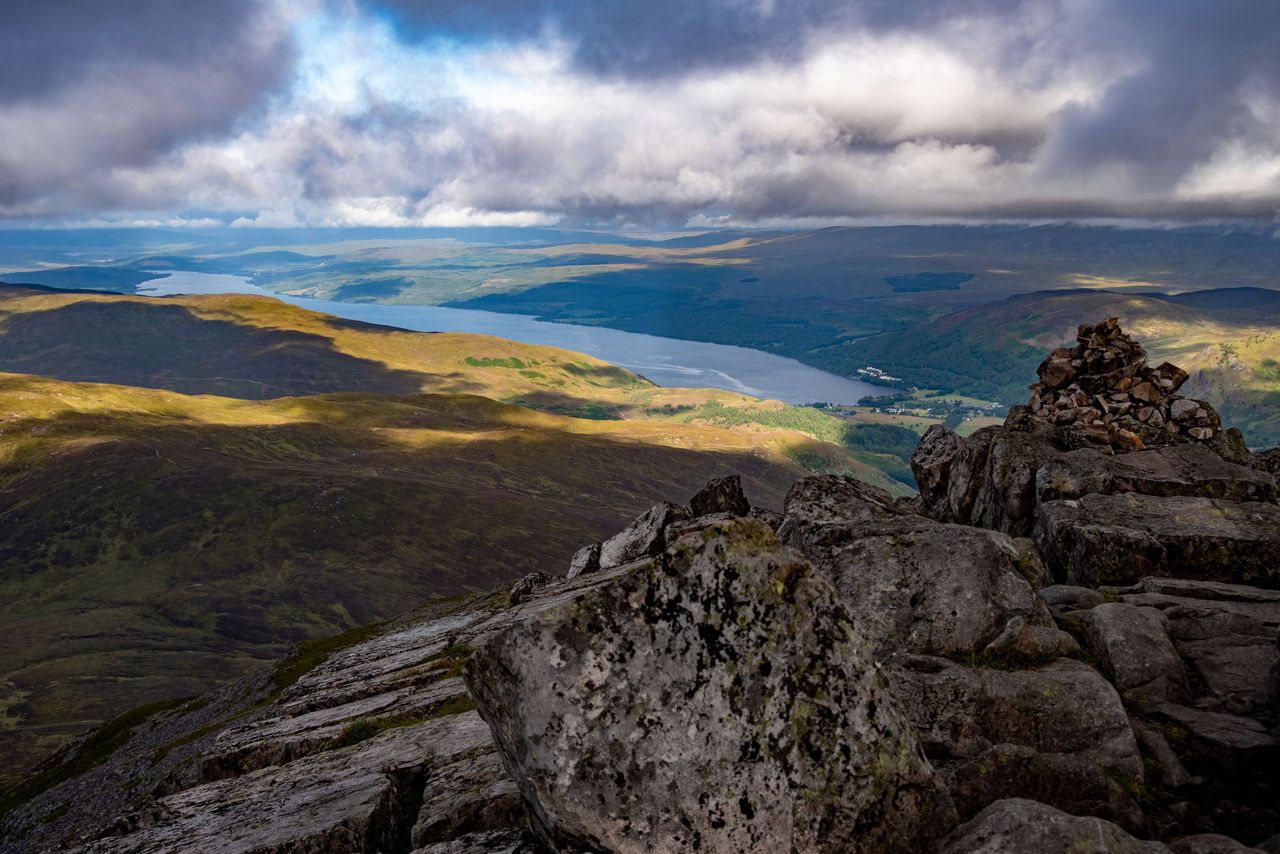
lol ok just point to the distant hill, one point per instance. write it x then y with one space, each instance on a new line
1229 339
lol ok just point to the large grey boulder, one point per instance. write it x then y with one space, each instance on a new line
1132 647
990 481
1225 633
1191 470
585 560
721 700
1019 826
1058 734
912 584
642 538
997 477
1116 539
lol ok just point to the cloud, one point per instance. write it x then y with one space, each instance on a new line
88 87
729 111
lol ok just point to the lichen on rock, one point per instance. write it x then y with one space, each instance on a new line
721 700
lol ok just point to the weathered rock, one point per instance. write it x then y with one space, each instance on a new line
528 587
1208 843
340 800
1062 599
642 538
1219 743
680 528
931 462
1021 644
721 495
1018 826
1031 563
484 842
912 584
1133 649
1116 539
1230 445
1058 734
820 507
1187 470
721 700
1172 774
472 795
1268 460
772 518
585 559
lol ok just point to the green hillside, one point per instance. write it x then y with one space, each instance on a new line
156 542
171 519
1229 339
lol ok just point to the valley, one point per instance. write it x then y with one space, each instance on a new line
191 485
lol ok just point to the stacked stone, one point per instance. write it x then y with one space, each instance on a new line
1104 391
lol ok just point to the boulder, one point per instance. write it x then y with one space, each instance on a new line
1021 644
721 495
1224 632
585 559
1031 563
1208 843
1058 734
642 538
1116 539
1188 470
1132 647
1062 599
912 584
772 518
720 700
1018 826
484 842
931 462
526 588
823 507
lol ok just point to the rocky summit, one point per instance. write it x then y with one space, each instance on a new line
1053 648
1104 390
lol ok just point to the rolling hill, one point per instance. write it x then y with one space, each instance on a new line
197 483
155 542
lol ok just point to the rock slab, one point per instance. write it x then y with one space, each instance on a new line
719 701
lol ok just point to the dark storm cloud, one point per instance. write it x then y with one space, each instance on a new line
87 87
1198 64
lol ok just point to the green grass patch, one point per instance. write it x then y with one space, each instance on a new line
513 363
456 706
364 730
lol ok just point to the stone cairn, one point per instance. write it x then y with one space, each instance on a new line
1104 392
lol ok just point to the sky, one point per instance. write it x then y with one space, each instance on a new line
637 114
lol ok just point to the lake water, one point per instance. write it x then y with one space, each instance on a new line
665 361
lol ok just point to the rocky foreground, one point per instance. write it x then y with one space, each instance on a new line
1061 645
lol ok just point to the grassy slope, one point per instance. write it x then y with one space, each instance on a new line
156 541
255 348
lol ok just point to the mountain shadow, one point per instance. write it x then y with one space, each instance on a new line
159 345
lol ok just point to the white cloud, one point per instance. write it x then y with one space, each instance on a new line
965 118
